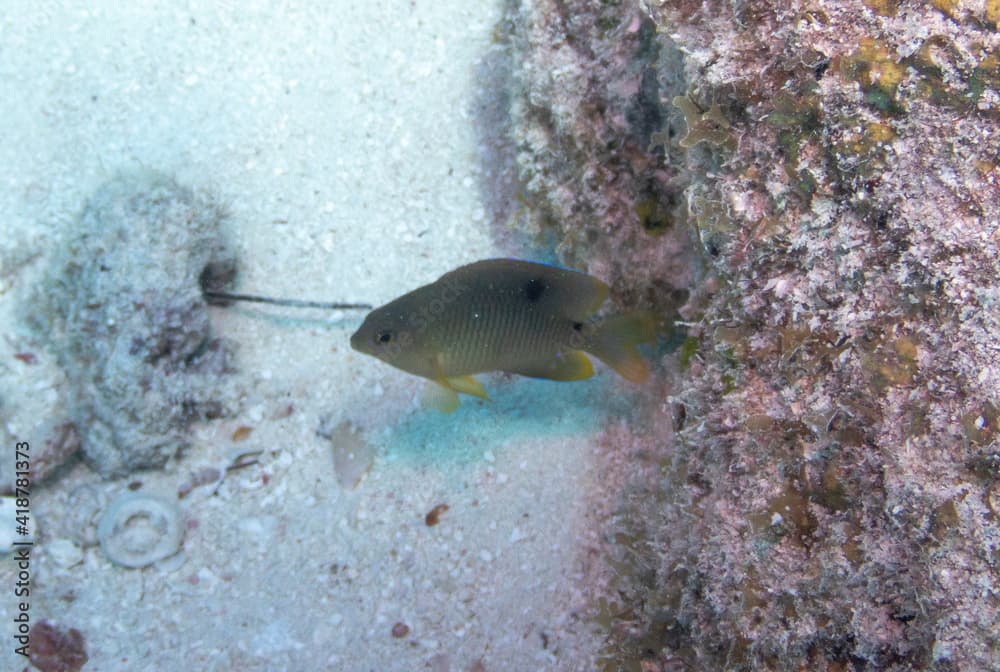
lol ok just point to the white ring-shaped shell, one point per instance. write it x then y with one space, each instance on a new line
138 529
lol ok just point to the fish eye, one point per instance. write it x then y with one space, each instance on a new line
383 337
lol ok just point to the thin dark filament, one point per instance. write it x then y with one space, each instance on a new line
294 303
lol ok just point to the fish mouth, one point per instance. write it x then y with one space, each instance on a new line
356 341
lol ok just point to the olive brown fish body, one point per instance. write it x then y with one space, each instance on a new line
503 315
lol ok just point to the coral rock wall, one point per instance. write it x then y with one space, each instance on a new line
818 180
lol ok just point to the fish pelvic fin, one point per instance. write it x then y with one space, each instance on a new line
468 385
614 341
443 394
463 384
440 398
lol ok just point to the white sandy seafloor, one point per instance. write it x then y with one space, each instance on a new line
341 136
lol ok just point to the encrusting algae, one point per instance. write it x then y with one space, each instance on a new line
504 315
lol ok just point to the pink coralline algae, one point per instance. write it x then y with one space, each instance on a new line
812 190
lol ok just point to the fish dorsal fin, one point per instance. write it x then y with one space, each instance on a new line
570 365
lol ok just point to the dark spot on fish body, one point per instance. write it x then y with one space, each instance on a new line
533 289
576 339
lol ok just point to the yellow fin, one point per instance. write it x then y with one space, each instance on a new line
448 388
463 384
468 385
614 344
570 365
440 398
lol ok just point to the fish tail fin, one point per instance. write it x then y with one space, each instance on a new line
615 339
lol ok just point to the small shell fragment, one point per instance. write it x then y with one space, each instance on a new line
242 433
433 516
352 455
138 529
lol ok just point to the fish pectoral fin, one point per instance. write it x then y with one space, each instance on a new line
569 365
441 398
463 384
468 385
